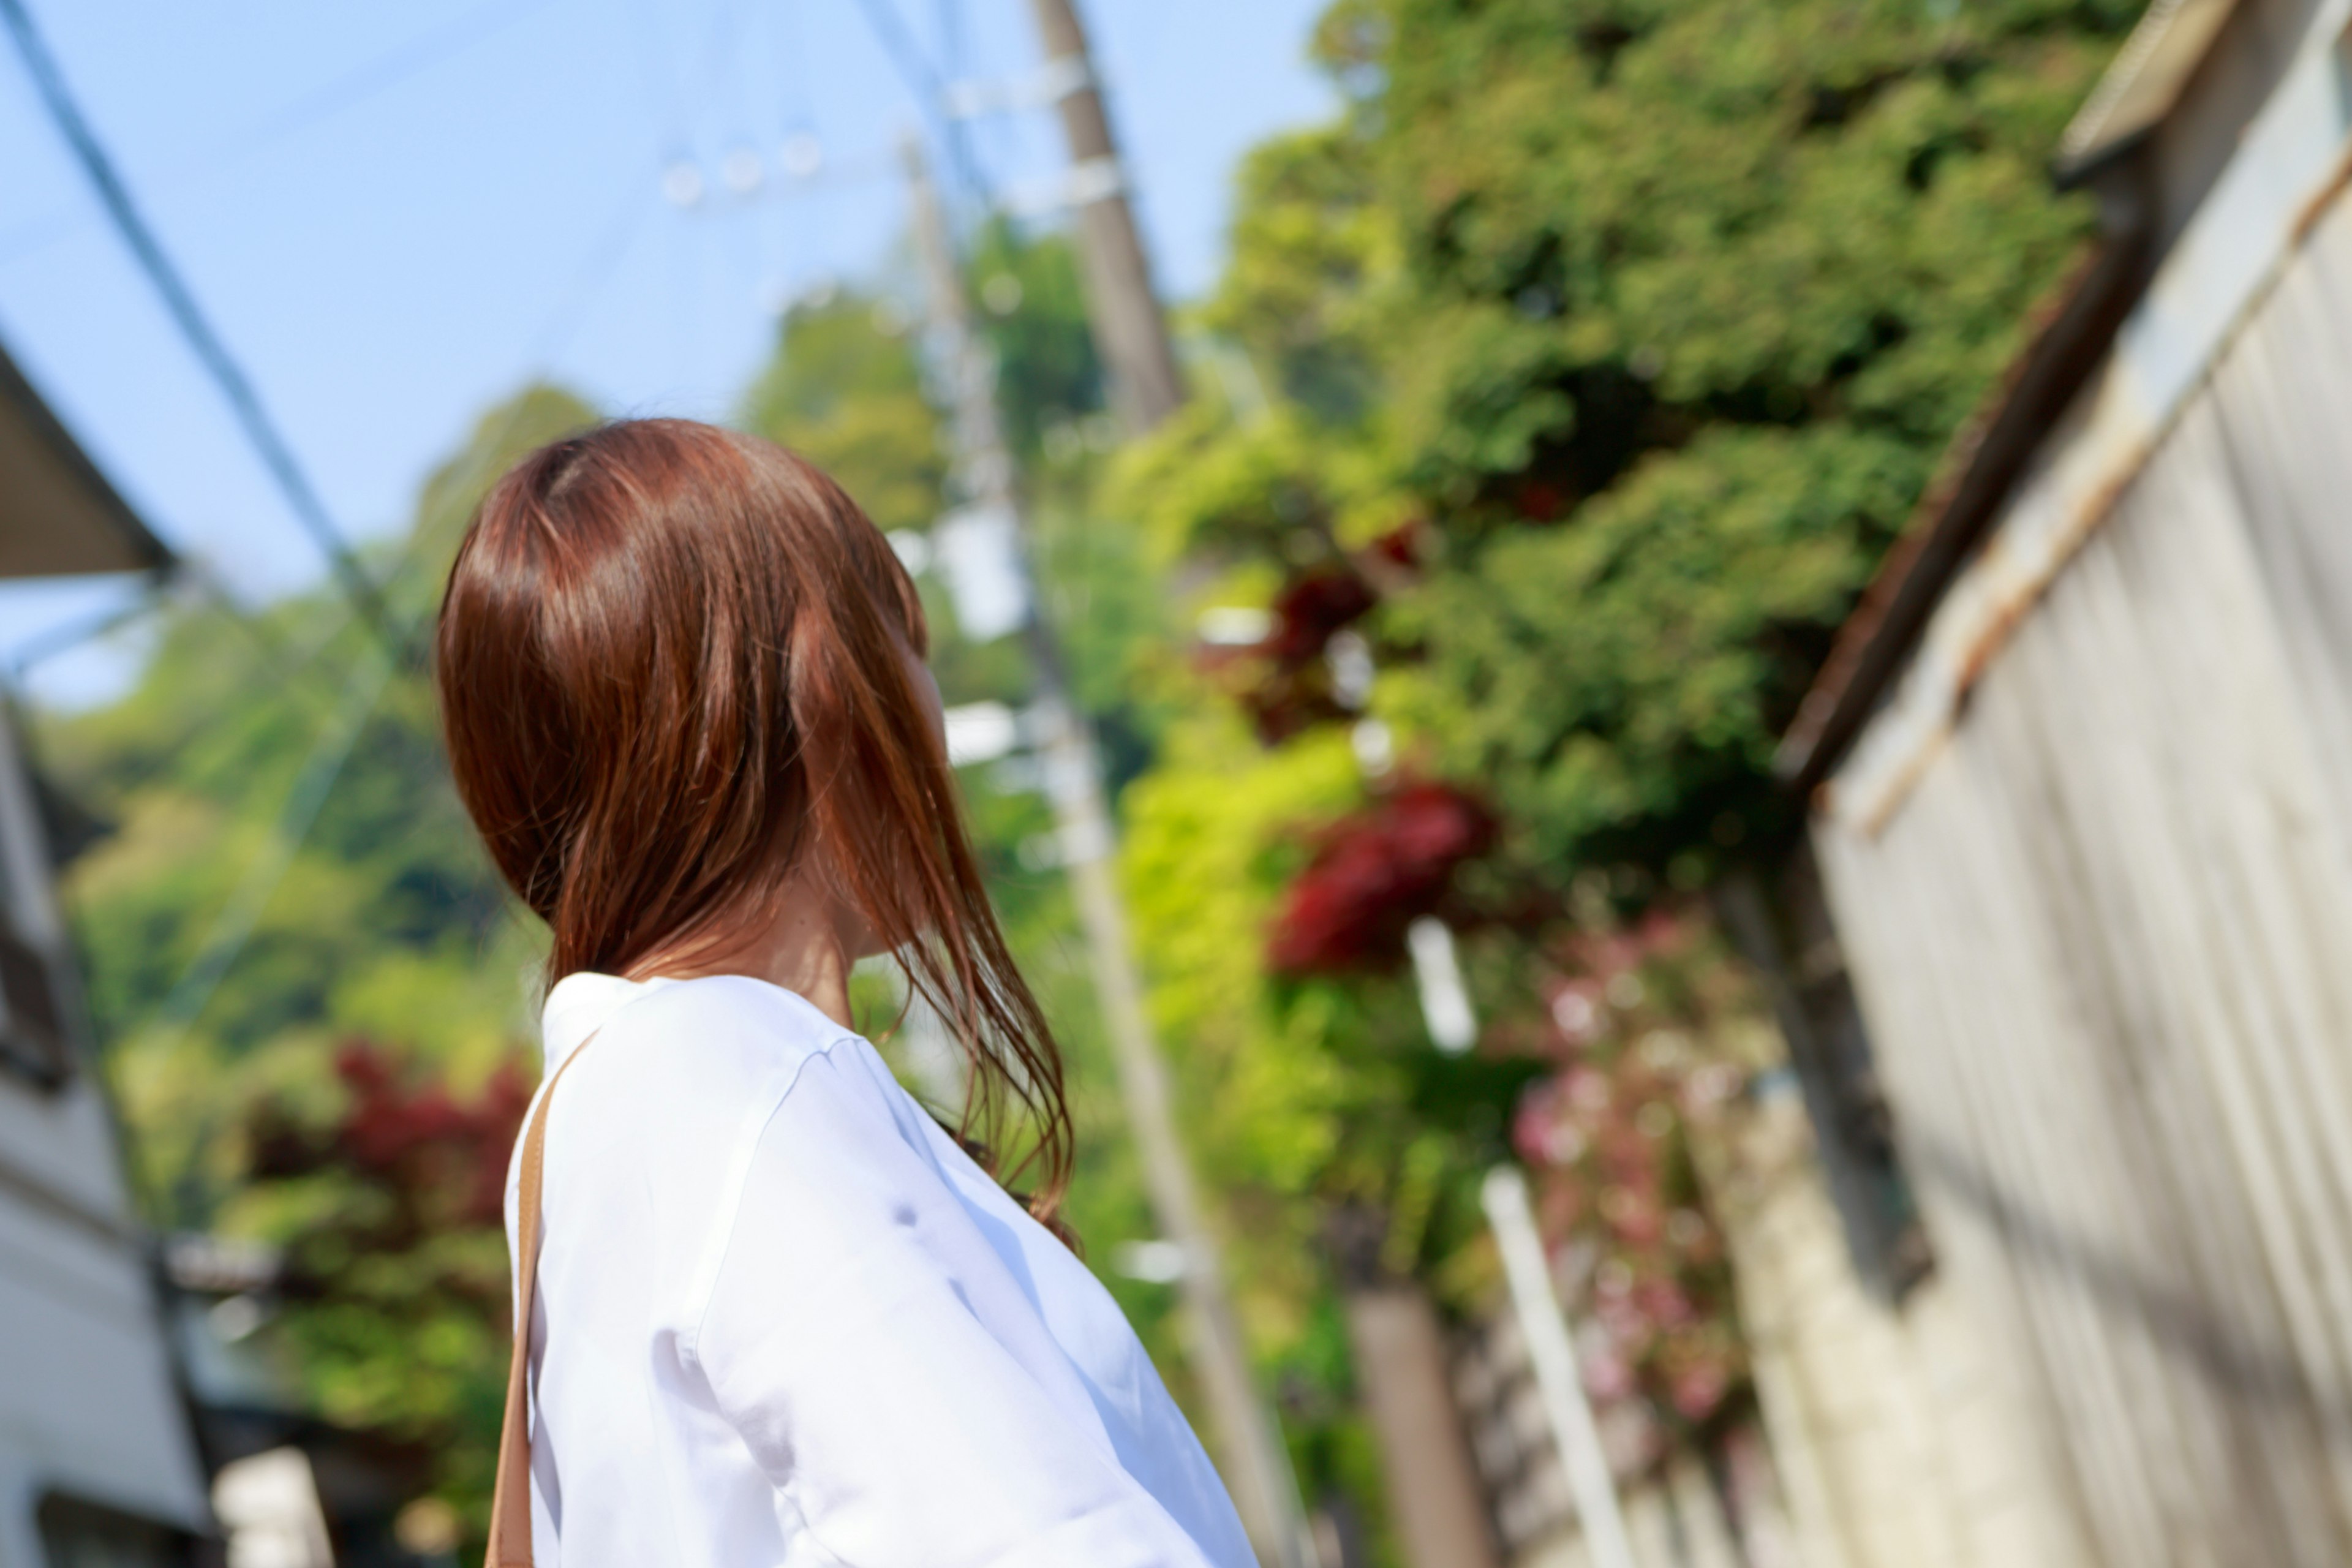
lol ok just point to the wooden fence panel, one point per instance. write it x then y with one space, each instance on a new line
2106 948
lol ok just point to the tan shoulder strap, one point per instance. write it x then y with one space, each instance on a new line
510 1500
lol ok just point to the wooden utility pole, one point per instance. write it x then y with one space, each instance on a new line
1130 333
1435 1502
1256 1465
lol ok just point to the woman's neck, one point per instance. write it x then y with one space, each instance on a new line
806 951
808 958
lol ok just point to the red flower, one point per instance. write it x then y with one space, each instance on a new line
1311 610
1399 546
1539 501
1373 875
422 1141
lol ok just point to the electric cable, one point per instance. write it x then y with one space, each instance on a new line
56 639
234 925
923 83
283 668
277 455
382 74
948 23
346 91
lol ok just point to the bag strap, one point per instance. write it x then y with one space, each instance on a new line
510 1545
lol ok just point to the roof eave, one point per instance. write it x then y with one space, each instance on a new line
2109 141
1980 466
121 541
2141 87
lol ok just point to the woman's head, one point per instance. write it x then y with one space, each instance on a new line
681 677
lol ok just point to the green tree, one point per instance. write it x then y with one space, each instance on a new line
1656 318
1313 261
845 389
1035 317
1592 357
1695 295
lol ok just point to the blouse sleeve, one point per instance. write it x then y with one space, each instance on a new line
888 1373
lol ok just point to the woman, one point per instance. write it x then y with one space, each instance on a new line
780 1316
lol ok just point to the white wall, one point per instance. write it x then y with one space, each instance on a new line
87 1402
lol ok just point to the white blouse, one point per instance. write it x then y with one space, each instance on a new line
782 1319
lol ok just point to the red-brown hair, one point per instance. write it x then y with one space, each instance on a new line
675 675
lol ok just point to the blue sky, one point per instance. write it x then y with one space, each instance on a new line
395 213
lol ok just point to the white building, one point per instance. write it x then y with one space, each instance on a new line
98 1462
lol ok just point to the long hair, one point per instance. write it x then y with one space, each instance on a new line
675 668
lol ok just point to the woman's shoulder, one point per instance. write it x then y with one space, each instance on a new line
726 1027
690 1056
671 1096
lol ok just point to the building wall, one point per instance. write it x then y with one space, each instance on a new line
1893 1436
1898 1437
2104 939
1672 1521
1722 1509
87 1407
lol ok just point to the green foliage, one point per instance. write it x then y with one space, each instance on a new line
396 1262
1202 870
1314 253
1697 293
1033 309
1298 1101
1281 488
1317 1089
1616 684
1655 316
846 391
1660 314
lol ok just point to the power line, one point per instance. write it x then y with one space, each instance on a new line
923 84
73 634
233 924
277 455
386 71
325 102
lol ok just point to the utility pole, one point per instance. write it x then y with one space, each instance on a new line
1265 1489
1129 329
